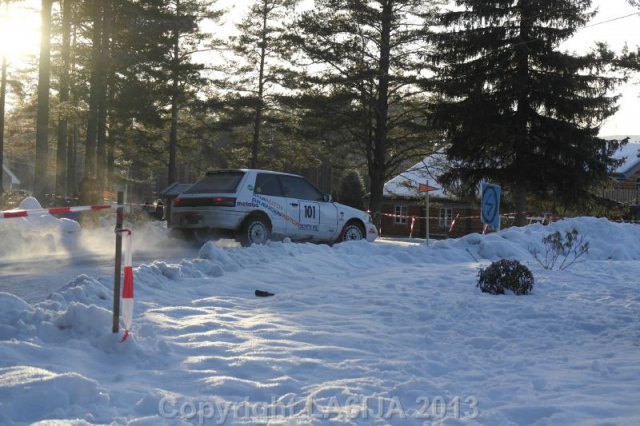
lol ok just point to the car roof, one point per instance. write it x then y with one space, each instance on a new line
250 170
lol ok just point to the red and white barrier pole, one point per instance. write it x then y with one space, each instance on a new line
127 289
453 222
413 221
8 214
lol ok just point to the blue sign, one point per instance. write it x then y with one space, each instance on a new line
490 206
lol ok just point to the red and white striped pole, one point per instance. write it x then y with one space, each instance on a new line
413 221
453 222
127 289
8 214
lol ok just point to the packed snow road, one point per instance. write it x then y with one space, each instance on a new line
30 278
356 333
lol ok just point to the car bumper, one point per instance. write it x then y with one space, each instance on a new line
207 217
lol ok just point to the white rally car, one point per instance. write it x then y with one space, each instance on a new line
257 205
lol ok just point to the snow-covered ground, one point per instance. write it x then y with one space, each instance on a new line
357 333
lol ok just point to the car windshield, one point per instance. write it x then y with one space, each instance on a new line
217 182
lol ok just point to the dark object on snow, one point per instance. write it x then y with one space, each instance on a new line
261 293
505 275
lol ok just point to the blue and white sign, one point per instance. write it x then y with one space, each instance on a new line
490 206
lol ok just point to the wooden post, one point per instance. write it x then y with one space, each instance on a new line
116 274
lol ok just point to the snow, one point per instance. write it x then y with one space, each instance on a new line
357 333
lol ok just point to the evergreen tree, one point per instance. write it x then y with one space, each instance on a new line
352 190
258 50
517 110
371 58
183 74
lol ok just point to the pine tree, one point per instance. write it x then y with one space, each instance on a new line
184 75
258 50
371 58
517 110
352 190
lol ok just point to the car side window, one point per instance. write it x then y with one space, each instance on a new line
268 184
297 187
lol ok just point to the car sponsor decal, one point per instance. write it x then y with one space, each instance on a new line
308 210
251 203
274 208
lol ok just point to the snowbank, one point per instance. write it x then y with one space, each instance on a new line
357 333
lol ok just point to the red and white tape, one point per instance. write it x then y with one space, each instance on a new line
127 289
9 214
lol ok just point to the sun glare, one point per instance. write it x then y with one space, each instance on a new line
19 31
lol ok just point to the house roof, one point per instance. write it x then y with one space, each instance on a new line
630 153
405 185
427 171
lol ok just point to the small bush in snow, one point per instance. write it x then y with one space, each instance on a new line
565 249
505 275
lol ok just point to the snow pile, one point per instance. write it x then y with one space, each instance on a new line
356 333
607 240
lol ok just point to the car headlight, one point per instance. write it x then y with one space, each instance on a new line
369 218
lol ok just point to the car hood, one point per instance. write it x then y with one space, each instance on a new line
352 212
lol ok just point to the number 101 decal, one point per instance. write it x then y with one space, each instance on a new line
309 213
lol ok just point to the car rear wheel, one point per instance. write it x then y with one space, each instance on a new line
203 235
255 230
352 231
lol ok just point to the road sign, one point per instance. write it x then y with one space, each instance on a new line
426 188
490 206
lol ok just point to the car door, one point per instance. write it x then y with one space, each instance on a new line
269 197
317 219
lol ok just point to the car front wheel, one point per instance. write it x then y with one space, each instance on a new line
352 231
256 230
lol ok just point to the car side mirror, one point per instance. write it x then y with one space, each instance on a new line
326 198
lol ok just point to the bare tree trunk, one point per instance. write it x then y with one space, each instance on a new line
62 150
3 93
42 122
92 121
522 113
378 170
72 174
72 139
260 104
173 133
102 94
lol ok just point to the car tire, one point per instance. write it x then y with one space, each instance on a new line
255 230
352 231
202 235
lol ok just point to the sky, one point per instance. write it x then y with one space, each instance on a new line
20 38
